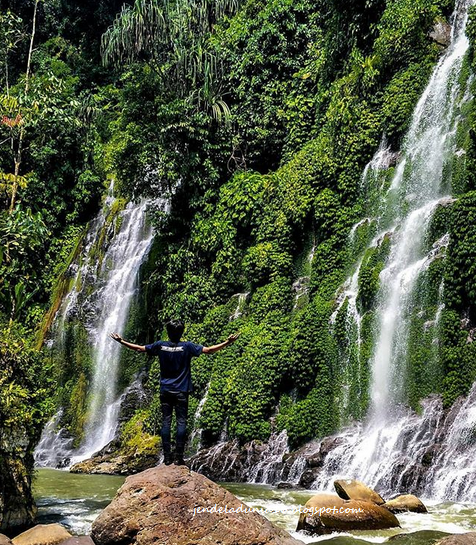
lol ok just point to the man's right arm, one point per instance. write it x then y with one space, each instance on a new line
131 346
212 349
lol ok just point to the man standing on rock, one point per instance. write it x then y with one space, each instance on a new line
175 381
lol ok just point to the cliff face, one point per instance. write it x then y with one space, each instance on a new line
23 403
17 508
286 239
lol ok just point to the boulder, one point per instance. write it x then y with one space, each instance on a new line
407 502
4 540
173 505
328 513
350 489
43 534
459 539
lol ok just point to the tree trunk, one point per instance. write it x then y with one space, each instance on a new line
18 157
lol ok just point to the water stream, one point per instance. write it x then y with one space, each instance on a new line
76 500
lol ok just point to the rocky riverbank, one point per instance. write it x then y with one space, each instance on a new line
171 505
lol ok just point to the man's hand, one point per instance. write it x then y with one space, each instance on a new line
132 346
212 349
116 337
232 338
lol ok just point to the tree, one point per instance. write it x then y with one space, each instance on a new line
174 38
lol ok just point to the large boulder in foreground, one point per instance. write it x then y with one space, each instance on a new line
350 489
327 513
43 534
166 504
407 502
4 540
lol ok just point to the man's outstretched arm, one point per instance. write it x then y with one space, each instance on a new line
212 349
132 346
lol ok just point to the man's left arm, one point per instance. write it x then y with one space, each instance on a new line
131 346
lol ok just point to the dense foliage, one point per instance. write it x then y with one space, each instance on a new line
255 119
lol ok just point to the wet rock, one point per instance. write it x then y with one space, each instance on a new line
285 486
429 455
43 534
441 33
422 537
254 461
407 502
4 540
116 464
135 397
341 540
329 513
221 462
308 477
78 540
350 489
157 506
459 539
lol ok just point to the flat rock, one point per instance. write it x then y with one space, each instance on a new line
421 537
78 540
327 513
459 539
350 489
43 534
407 502
114 464
173 505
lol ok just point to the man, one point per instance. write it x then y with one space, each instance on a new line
175 381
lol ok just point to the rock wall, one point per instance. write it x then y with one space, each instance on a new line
17 507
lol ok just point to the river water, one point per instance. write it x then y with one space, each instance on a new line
76 500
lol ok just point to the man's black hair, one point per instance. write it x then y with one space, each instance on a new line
175 330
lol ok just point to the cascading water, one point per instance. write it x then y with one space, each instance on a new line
388 449
101 297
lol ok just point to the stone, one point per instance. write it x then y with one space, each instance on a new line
441 33
78 540
406 502
350 489
283 485
4 540
43 534
459 539
111 461
328 513
166 504
421 537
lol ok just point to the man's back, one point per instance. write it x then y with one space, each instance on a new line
175 368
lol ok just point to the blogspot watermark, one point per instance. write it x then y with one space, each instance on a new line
299 509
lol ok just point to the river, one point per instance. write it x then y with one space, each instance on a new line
76 500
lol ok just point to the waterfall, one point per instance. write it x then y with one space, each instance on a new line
100 299
395 449
418 186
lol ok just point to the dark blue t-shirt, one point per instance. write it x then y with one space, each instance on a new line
175 359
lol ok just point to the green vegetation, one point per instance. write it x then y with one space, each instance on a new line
256 119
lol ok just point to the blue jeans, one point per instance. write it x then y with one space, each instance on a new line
169 401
